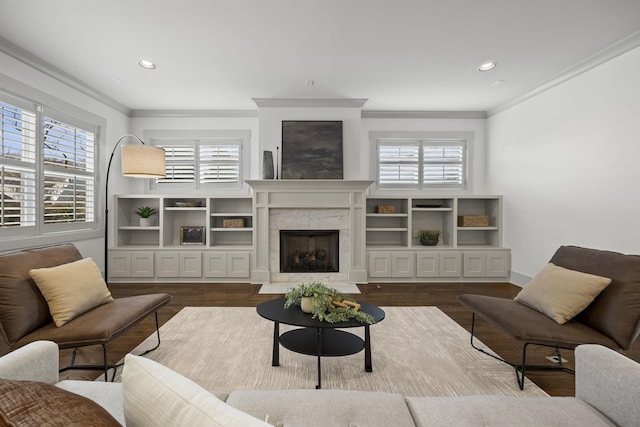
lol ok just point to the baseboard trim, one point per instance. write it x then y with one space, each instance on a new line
519 279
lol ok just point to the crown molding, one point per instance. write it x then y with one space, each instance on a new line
310 102
381 114
607 54
194 113
55 73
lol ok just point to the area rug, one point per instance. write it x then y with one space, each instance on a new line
282 288
416 351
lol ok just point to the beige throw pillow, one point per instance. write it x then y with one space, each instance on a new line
71 289
154 395
561 293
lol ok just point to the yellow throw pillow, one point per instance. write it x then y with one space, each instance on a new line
71 289
561 293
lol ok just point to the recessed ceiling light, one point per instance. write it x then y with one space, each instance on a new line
145 63
487 66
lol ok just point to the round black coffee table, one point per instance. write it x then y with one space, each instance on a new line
317 338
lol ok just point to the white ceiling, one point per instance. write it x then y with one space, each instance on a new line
401 55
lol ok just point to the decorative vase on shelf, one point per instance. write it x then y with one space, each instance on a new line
306 304
146 222
267 165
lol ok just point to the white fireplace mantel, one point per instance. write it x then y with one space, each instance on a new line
312 196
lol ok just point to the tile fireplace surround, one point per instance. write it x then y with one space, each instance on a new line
309 205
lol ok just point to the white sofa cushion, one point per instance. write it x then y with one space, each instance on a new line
154 395
322 408
108 395
461 411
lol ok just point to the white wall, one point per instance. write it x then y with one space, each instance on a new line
25 81
567 163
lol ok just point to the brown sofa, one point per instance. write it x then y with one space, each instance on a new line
25 317
611 320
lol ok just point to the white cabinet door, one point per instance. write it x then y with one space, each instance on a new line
215 264
238 264
191 264
119 264
402 264
427 264
486 263
474 264
450 264
131 264
142 264
168 264
391 264
380 264
498 263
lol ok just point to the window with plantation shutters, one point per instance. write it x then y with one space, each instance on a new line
17 166
421 163
69 181
202 162
219 162
180 163
47 171
442 163
399 163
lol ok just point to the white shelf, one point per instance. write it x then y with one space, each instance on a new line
229 214
477 228
431 209
387 215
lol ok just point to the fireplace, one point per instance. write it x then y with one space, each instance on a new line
309 251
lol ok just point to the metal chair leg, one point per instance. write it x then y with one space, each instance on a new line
105 366
520 370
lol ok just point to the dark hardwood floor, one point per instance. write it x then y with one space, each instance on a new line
442 295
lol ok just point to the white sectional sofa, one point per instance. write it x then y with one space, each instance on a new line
607 390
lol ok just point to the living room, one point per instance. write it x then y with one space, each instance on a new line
557 146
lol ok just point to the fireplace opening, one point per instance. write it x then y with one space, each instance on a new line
314 251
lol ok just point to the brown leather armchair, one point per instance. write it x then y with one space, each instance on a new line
612 319
25 317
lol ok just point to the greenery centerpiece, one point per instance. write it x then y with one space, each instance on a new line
429 237
328 304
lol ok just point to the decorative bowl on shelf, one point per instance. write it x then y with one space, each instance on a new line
183 204
429 242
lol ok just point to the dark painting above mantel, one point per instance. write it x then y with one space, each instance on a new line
311 149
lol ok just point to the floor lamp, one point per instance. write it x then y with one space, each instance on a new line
138 161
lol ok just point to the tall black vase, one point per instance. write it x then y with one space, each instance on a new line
267 165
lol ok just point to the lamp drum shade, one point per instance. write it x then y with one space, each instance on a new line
143 161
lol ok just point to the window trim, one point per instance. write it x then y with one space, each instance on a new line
23 96
418 137
243 137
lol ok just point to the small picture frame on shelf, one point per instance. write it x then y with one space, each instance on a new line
191 235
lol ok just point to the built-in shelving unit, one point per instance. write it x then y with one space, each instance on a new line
396 253
191 238
212 238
